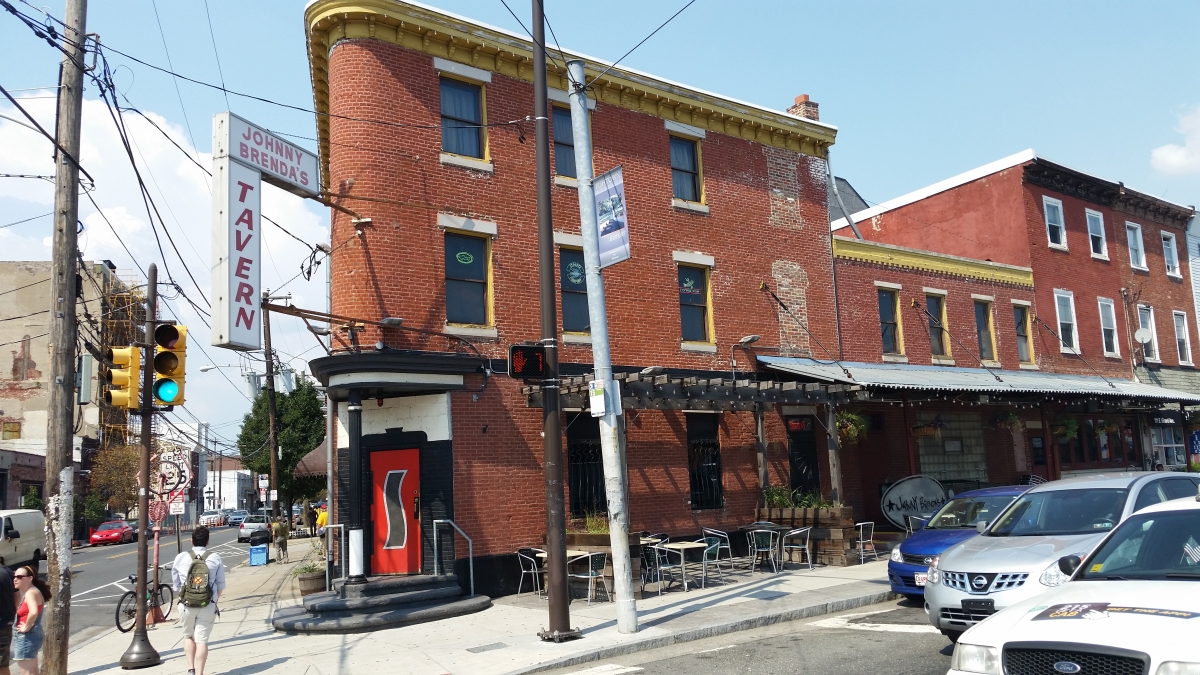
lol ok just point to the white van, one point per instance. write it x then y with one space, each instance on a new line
23 537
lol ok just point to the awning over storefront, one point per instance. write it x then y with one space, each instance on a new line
312 464
980 380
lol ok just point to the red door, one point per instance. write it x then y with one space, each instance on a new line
395 513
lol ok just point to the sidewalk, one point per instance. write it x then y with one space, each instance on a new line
498 641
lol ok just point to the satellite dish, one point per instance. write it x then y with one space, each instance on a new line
1142 335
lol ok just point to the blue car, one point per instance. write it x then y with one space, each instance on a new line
952 524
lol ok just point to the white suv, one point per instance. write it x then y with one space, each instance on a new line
1016 557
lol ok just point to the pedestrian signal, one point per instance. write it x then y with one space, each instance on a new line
123 382
527 362
170 357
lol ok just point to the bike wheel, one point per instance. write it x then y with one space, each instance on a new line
166 600
127 612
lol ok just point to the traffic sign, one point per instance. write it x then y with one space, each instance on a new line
177 508
527 362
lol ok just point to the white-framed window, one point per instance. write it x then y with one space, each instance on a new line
1137 252
1096 238
1171 254
1064 307
1182 345
1056 230
1146 320
1108 327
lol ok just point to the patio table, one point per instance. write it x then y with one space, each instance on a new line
683 547
571 553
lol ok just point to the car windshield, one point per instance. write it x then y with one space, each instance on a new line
967 511
1159 546
1062 512
239 513
109 526
254 519
209 513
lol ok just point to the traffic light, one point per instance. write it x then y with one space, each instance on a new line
123 383
527 362
170 357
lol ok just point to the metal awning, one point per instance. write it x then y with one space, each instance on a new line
943 378
312 464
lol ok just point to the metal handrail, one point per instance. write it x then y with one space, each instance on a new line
329 552
470 549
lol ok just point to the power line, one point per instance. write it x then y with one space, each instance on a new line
175 81
216 54
30 337
26 220
614 65
14 290
50 138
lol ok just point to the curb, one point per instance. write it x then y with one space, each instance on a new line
819 609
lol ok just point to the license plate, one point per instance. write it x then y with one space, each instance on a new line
921 578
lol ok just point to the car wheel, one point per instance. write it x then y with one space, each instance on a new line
953 635
915 599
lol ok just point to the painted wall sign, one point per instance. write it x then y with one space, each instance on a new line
912 496
612 219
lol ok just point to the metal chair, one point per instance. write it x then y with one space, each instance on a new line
795 535
725 543
596 562
712 556
662 537
914 523
650 570
866 541
531 565
664 567
760 542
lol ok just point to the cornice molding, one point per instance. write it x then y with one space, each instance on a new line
890 255
1106 193
426 30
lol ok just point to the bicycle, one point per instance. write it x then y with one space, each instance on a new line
127 606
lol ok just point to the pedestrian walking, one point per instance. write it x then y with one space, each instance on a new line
27 641
322 520
198 577
310 518
8 614
281 531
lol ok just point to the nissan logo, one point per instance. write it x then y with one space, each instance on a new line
928 561
1067 667
979 583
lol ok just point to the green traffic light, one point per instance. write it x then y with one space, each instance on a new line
166 390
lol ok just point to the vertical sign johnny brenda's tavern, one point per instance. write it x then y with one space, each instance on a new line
243 157
612 220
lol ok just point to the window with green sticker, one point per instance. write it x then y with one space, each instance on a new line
466 279
575 318
693 303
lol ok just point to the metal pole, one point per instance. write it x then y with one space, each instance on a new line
60 464
273 484
140 653
330 441
354 520
614 476
556 523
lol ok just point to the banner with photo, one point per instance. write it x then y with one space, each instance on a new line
612 220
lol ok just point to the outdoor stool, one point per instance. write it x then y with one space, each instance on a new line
712 552
794 536
596 562
531 565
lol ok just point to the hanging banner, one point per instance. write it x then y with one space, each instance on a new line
611 218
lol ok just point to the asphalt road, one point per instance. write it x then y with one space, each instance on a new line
892 638
100 576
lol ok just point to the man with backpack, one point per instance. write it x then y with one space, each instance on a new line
198 577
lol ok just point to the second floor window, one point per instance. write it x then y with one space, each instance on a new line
1170 254
1137 254
936 306
1182 344
1095 223
889 321
693 303
983 329
466 280
1146 321
1056 232
1024 347
462 118
1064 306
685 169
1108 327
575 317
564 143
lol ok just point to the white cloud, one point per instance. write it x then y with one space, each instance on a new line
1173 159
182 193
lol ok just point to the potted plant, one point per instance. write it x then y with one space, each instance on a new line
311 577
852 427
1065 427
1005 419
1111 424
933 428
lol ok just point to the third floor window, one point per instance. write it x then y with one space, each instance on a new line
889 321
936 306
1170 254
1095 223
1137 252
685 169
1056 231
462 118
983 329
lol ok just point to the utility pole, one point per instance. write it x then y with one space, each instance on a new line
273 484
140 653
556 523
610 451
60 458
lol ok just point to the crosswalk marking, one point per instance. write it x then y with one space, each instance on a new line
844 622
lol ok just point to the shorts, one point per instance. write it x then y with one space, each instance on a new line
198 621
27 645
6 636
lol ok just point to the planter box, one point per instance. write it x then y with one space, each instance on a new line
835 517
311 582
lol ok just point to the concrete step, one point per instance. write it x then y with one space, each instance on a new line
299 620
393 584
319 603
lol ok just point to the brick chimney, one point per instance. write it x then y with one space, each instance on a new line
805 108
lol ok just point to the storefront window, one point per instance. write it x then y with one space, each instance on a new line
1167 442
1099 442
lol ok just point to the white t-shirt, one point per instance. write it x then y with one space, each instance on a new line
216 571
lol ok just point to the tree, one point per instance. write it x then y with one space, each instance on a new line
114 476
300 428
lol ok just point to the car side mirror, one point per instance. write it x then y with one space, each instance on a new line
1068 564
981 526
13 534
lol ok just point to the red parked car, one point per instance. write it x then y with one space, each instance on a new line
113 532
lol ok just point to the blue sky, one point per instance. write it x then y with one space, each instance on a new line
920 92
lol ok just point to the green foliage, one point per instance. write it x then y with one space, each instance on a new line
114 476
1065 427
1005 419
851 426
809 500
307 567
90 508
779 497
300 428
593 523
31 500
